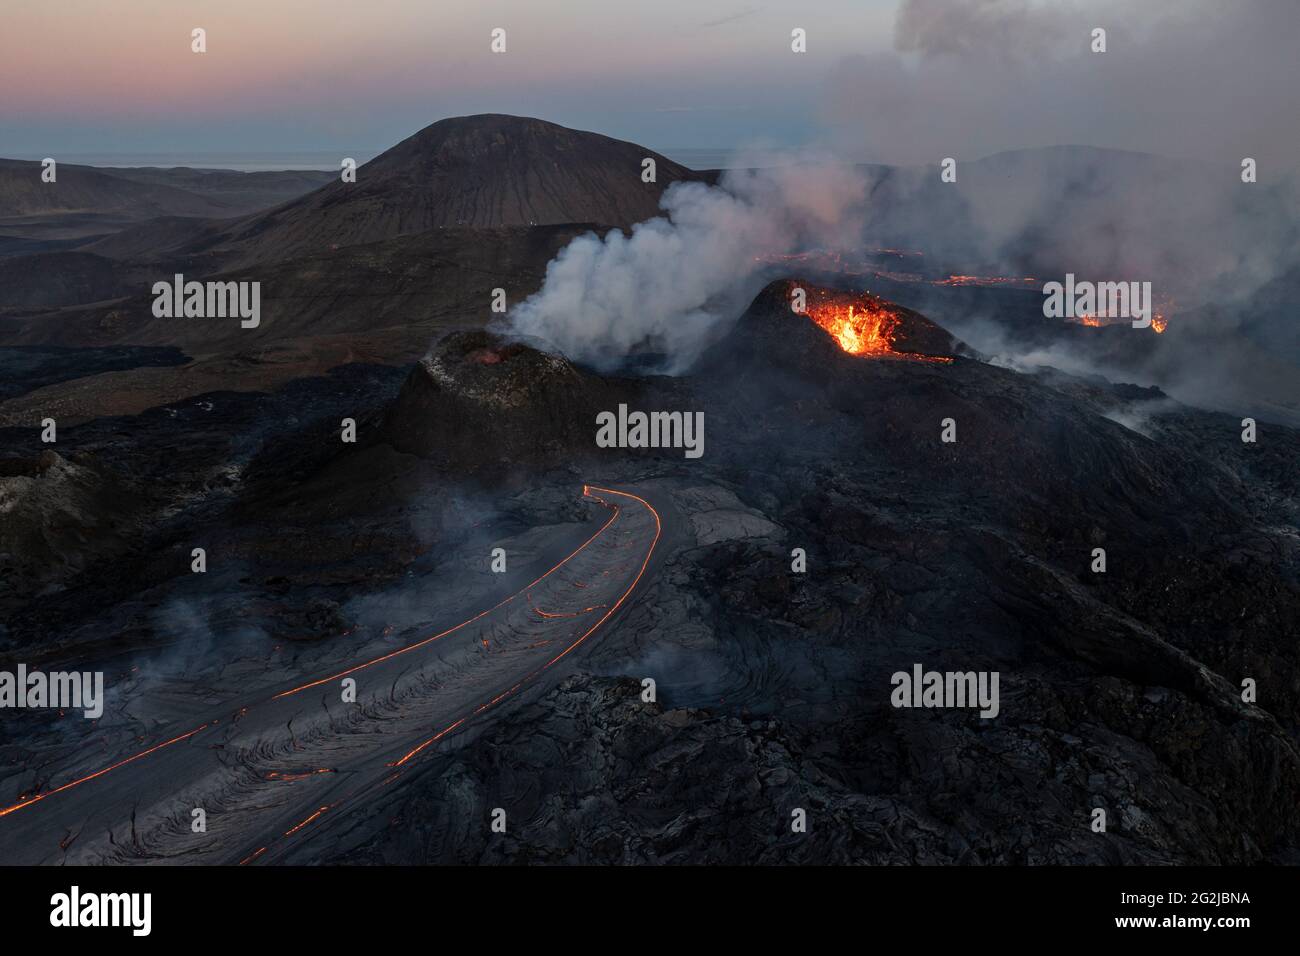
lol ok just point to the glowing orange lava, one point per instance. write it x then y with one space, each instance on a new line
29 799
986 281
587 490
866 331
863 325
276 775
1159 322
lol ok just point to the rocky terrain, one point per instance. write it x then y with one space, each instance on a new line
87 202
369 271
1120 690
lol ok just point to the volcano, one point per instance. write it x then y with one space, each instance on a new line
538 407
384 489
374 269
482 171
866 325
836 324
972 555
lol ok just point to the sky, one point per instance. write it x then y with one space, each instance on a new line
306 74
888 80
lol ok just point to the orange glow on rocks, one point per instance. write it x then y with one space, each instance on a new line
862 325
866 331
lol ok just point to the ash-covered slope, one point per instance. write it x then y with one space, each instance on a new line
482 405
899 333
1027 442
429 228
1119 690
53 279
497 170
483 171
477 402
87 190
472 176
241 191
407 286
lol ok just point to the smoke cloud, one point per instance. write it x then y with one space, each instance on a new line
665 289
1115 166
1196 79
1120 166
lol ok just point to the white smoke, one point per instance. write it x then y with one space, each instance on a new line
665 288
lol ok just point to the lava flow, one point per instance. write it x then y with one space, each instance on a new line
987 282
1159 322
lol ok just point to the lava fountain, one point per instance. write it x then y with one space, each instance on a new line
863 325
867 331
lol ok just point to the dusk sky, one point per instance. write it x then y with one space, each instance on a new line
896 82
86 75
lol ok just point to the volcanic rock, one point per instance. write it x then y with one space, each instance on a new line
87 190
481 402
51 509
771 331
1119 689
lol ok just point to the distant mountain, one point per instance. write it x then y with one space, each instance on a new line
402 292
85 201
82 203
496 170
82 189
484 171
474 203
241 192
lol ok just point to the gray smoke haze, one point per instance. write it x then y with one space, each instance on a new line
1123 165
1202 79
1186 89
1194 230
667 286
1115 166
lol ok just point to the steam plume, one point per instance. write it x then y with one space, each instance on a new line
665 288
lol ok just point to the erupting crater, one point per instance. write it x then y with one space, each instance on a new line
864 325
